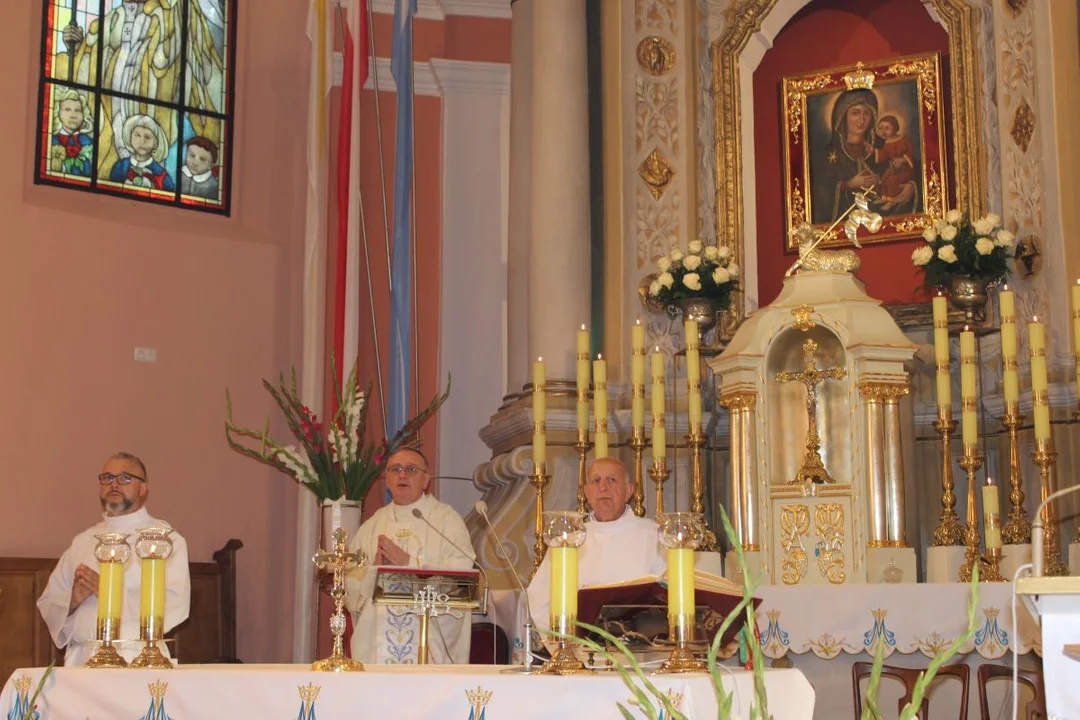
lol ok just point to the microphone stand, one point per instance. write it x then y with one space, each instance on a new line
526 667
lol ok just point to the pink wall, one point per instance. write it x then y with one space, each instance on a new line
85 278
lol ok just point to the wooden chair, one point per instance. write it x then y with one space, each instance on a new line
1035 709
486 638
908 676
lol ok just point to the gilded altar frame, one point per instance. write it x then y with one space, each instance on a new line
743 20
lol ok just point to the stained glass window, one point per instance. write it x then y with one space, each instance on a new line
136 99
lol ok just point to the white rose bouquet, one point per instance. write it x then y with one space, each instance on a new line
956 246
703 271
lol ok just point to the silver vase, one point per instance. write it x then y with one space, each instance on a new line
969 295
699 310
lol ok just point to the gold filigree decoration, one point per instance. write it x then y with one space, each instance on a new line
935 192
932 644
794 526
797 216
656 55
1023 125
860 78
657 172
914 225
829 523
738 401
1016 6
157 689
479 698
309 693
795 91
826 646
883 392
813 257
925 69
802 318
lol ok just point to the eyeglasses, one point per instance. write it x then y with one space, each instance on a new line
121 479
410 470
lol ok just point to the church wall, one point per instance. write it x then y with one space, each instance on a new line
861 31
86 278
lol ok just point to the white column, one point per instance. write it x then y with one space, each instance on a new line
559 268
517 259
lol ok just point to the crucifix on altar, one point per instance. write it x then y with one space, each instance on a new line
813 468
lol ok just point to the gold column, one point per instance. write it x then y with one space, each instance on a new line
894 466
875 463
743 503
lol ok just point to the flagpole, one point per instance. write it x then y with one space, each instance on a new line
412 239
382 162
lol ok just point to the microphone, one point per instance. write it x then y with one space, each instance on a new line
1038 548
481 508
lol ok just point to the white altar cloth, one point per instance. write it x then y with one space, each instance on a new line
446 691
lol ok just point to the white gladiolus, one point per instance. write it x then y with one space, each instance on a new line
984 246
949 233
676 255
983 227
922 255
297 463
664 263
1005 238
947 253
721 275
695 246
692 281
711 253
953 216
654 288
733 269
666 280
724 252
692 262
929 234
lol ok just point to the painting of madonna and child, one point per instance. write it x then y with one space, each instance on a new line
129 106
873 125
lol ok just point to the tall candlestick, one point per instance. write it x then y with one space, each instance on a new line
637 377
1040 402
991 514
969 419
693 376
941 351
1010 377
659 438
582 383
539 413
600 399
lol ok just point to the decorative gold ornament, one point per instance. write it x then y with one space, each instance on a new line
794 526
927 87
657 172
829 523
797 216
157 689
309 693
1023 125
637 444
539 479
656 55
478 698
1016 6
860 78
1028 261
738 401
582 446
1044 458
659 475
815 259
813 468
338 562
971 462
802 318
1017 529
796 91
949 532
883 392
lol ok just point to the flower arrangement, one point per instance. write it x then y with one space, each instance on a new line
703 271
956 246
332 459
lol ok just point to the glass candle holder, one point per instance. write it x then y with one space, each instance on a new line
154 547
681 533
112 552
564 533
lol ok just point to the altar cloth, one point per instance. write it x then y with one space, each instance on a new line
445 691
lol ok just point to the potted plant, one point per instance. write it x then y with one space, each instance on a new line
698 283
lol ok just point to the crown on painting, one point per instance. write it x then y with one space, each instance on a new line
859 78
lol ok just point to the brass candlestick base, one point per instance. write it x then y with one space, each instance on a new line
150 632
582 445
637 500
681 660
338 561
1017 529
106 655
563 661
990 568
971 462
539 479
659 474
949 532
1044 457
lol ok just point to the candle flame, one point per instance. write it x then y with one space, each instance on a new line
989 480
582 326
1005 287
657 349
599 356
1034 318
638 321
967 328
539 359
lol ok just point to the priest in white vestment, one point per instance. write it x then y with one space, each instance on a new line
69 603
618 545
394 536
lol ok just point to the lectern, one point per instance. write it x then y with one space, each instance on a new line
1054 602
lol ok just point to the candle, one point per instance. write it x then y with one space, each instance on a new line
991 514
659 438
969 419
941 353
1039 400
539 412
637 376
600 402
1011 380
1076 330
110 593
564 581
680 575
583 383
693 377
153 589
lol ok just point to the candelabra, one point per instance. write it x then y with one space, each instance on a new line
1017 529
637 500
694 441
659 474
948 532
539 479
971 462
1044 457
582 446
338 561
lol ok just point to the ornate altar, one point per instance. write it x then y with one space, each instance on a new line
813 383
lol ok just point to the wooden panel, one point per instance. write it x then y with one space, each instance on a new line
25 640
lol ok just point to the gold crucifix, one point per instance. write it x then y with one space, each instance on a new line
338 562
813 468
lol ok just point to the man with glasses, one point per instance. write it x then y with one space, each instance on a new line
393 535
69 603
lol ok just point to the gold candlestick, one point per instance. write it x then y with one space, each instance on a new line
582 445
991 566
949 532
659 474
637 500
681 533
539 479
971 462
564 533
338 561
1017 529
154 547
1044 457
112 552
694 440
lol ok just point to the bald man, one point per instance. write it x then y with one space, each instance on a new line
618 545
